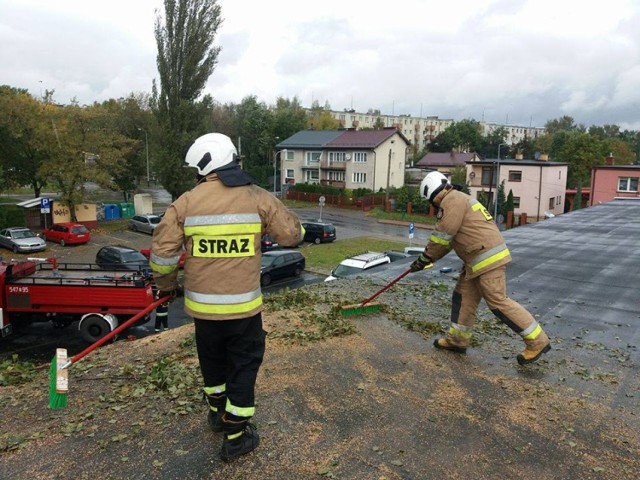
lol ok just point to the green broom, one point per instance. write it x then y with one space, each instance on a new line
366 307
58 380
58 375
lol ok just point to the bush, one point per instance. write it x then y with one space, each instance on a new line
11 216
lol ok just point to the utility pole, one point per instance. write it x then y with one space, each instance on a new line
495 203
386 194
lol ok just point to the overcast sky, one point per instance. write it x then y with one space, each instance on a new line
520 62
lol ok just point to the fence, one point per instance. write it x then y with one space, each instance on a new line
366 202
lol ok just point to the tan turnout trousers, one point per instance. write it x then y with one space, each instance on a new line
492 286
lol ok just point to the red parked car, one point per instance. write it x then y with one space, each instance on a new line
67 234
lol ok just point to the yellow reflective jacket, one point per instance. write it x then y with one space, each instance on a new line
220 228
465 226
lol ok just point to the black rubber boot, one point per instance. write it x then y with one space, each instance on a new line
238 445
217 402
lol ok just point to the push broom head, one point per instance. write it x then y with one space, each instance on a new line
58 380
359 309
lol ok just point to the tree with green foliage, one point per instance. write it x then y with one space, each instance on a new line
501 198
509 206
403 198
88 150
289 117
28 137
577 202
489 146
322 119
186 59
459 177
562 124
131 118
419 203
463 136
582 152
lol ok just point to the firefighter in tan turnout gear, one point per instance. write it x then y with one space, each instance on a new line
465 226
220 223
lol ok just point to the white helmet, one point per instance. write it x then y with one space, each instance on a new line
432 184
210 152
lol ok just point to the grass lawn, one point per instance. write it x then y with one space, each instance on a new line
324 257
414 217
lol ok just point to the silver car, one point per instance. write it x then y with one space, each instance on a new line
144 223
21 239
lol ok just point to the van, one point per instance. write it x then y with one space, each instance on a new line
319 232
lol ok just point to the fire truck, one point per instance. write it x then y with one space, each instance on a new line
43 290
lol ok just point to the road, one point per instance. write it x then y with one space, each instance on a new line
38 341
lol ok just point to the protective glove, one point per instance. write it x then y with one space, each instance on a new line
421 263
172 294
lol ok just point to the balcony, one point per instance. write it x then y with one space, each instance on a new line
333 183
330 165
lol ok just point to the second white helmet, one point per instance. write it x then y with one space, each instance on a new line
210 152
432 184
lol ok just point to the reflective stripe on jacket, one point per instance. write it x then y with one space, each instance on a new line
468 228
220 228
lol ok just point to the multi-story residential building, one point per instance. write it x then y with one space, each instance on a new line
372 159
538 186
515 133
422 130
612 181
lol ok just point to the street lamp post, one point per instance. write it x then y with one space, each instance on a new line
146 147
275 162
495 203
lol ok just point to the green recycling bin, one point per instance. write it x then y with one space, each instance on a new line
126 210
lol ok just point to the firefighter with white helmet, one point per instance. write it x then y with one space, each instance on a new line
465 226
220 224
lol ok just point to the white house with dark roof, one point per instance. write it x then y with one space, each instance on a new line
352 159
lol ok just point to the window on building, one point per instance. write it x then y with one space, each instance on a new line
335 175
628 184
552 203
360 157
311 176
312 158
488 175
290 173
359 177
289 155
516 202
337 157
515 176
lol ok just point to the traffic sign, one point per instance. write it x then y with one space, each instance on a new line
45 205
322 200
412 228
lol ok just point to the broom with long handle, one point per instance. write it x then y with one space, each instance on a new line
365 307
58 375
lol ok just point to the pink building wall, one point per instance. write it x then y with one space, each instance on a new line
604 182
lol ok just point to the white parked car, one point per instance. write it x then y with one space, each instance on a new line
364 262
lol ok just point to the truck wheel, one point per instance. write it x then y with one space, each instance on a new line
317 241
93 328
